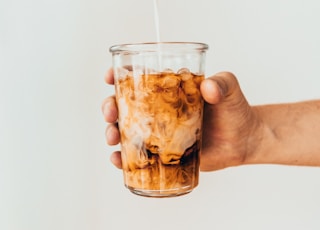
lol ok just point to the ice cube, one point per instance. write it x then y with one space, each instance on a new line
185 74
121 72
183 70
130 73
137 71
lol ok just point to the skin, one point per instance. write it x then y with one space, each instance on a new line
236 133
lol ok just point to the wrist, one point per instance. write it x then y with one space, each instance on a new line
260 138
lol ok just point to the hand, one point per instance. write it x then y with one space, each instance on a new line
229 128
110 112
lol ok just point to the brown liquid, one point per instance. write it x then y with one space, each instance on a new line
160 119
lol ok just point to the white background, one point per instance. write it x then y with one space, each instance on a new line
54 163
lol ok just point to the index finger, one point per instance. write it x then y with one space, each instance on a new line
109 77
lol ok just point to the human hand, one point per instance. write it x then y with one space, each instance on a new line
229 125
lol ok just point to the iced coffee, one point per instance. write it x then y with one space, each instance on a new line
160 118
160 115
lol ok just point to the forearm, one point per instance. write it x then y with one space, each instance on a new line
288 134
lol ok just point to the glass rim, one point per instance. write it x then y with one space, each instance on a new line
154 46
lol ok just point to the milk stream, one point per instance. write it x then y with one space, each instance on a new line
156 19
162 172
157 28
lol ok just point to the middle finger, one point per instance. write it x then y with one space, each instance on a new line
109 109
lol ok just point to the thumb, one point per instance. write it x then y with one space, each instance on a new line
222 86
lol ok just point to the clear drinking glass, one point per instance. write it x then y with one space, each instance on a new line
160 115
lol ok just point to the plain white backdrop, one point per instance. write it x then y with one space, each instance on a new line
54 162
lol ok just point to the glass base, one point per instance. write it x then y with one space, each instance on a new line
161 193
